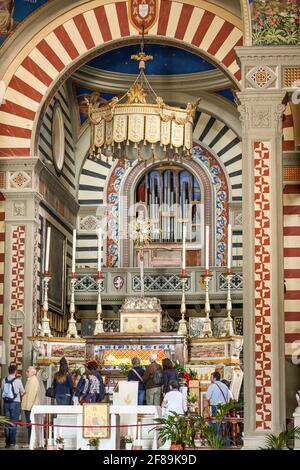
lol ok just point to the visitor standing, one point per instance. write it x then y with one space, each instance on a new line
153 378
31 396
169 373
218 393
12 390
135 374
63 384
174 401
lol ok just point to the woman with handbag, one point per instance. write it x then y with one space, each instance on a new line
63 384
135 374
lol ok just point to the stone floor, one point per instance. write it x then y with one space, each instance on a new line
21 440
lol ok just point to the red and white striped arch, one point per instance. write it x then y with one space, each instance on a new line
288 129
83 30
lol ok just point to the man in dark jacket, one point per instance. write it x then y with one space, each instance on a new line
153 381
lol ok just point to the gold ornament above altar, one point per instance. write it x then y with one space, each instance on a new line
139 125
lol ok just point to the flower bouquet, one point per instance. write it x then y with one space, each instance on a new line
60 443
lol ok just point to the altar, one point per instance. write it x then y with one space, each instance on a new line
73 418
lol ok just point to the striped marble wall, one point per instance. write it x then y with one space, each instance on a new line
67 176
291 232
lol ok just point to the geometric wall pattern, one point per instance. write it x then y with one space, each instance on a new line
263 351
291 240
288 142
17 292
206 29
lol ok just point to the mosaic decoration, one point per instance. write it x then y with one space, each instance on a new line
263 353
112 257
261 77
89 223
276 22
19 180
219 183
291 77
17 292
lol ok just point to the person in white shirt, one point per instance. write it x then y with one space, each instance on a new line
174 401
217 392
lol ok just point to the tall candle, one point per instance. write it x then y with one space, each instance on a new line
47 250
183 249
207 249
229 248
74 253
99 250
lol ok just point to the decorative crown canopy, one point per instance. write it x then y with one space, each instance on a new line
131 128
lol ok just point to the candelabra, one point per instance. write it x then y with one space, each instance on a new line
45 328
72 330
207 331
182 330
228 322
99 322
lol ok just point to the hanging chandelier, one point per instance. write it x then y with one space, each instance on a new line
139 125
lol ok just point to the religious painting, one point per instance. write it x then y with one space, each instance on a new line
143 14
69 351
96 414
6 16
57 269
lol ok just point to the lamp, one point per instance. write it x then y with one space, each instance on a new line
131 127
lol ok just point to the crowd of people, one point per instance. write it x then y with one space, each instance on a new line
158 385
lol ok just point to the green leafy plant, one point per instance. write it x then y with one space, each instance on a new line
282 440
191 398
93 442
128 439
180 369
125 368
175 428
193 374
4 420
59 440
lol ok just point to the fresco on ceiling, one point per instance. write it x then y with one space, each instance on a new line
80 93
13 12
167 60
276 22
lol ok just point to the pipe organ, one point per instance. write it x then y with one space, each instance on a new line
172 197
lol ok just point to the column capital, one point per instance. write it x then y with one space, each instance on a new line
262 116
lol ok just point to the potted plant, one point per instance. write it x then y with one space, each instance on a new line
176 429
60 443
282 440
93 444
128 442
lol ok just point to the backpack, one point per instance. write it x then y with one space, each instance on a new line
157 377
9 395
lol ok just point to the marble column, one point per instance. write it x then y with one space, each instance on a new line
21 258
264 387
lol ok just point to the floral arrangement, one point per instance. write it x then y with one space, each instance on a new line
191 398
128 439
125 368
276 22
59 440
